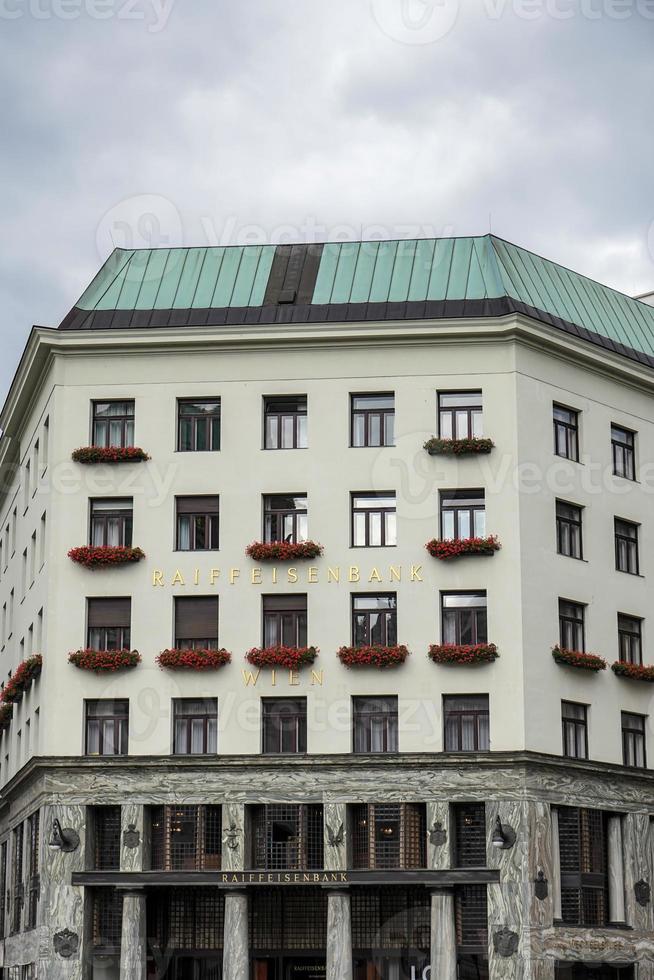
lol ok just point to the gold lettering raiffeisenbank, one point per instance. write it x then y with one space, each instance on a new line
284 877
274 575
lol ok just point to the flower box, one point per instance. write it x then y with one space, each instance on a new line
458 447
459 547
21 680
104 661
109 454
280 656
463 654
373 656
636 672
201 659
576 658
6 714
105 557
283 550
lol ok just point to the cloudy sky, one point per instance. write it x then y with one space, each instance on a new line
140 122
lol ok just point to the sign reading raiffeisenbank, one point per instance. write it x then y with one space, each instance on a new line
310 575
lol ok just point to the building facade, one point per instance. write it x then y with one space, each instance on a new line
252 727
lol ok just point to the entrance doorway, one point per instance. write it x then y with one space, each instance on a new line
196 967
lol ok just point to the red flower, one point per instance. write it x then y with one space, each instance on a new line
577 658
96 557
104 661
193 659
373 656
462 546
281 656
21 679
109 454
637 672
458 447
283 550
451 653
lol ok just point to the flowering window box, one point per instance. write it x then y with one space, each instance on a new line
283 550
109 454
105 556
373 656
104 661
6 713
458 447
200 659
636 672
463 654
21 680
280 656
444 550
576 658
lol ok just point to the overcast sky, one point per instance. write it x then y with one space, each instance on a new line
139 122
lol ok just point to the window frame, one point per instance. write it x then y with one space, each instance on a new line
478 714
478 635
626 450
628 635
576 622
387 719
627 546
630 735
300 629
299 719
206 717
211 519
470 411
570 431
205 642
296 414
127 439
195 418
388 614
123 515
124 633
576 727
573 525
368 414
279 514
466 505
120 721
384 512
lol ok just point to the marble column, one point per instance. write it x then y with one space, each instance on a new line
236 959
556 866
233 847
134 854
62 904
439 836
133 938
616 872
339 936
335 842
443 935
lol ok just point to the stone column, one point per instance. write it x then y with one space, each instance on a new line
439 836
133 938
556 866
443 935
335 837
339 936
62 946
134 848
233 846
236 959
616 872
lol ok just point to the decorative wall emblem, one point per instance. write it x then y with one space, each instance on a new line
66 943
131 836
541 889
232 837
335 839
643 892
505 942
438 835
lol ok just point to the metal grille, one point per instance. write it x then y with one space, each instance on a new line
106 827
288 837
106 917
583 849
287 919
471 915
470 835
186 918
389 835
391 918
186 838
33 879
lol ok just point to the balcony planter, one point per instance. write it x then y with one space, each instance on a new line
105 557
104 661
373 656
636 672
291 658
21 680
576 658
463 654
201 659
283 550
458 447
109 454
6 713
444 550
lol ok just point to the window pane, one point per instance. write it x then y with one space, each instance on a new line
374 434
375 529
447 521
287 432
464 524
358 430
302 432
359 530
391 530
272 428
480 524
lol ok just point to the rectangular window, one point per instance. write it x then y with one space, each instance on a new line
197 520
107 727
113 424
463 514
574 719
186 838
623 447
460 414
3 888
27 483
198 426
195 726
285 422
105 821
633 740
111 523
569 539
108 624
284 725
630 639
375 724
464 617
288 836
566 432
46 443
572 633
32 870
18 888
285 620
374 620
196 623
469 821
626 546
388 836
373 420
373 520
583 848
466 719
285 518
43 539
32 562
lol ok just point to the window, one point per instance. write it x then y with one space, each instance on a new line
106 823
373 520
375 724
113 424
196 623
198 428
186 838
287 836
630 639
285 620
197 523
27 482
374 620
583 848
571 625
626 546
388 835
285 518
574 719
108 624
107 727
111 523
46 443
18 889
42 539
284 723
633 740
463 617
466 720
373 420
569 541
460 414
469 821
463 514
3 888
285 422
32 869
195 726
623 450
566 433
